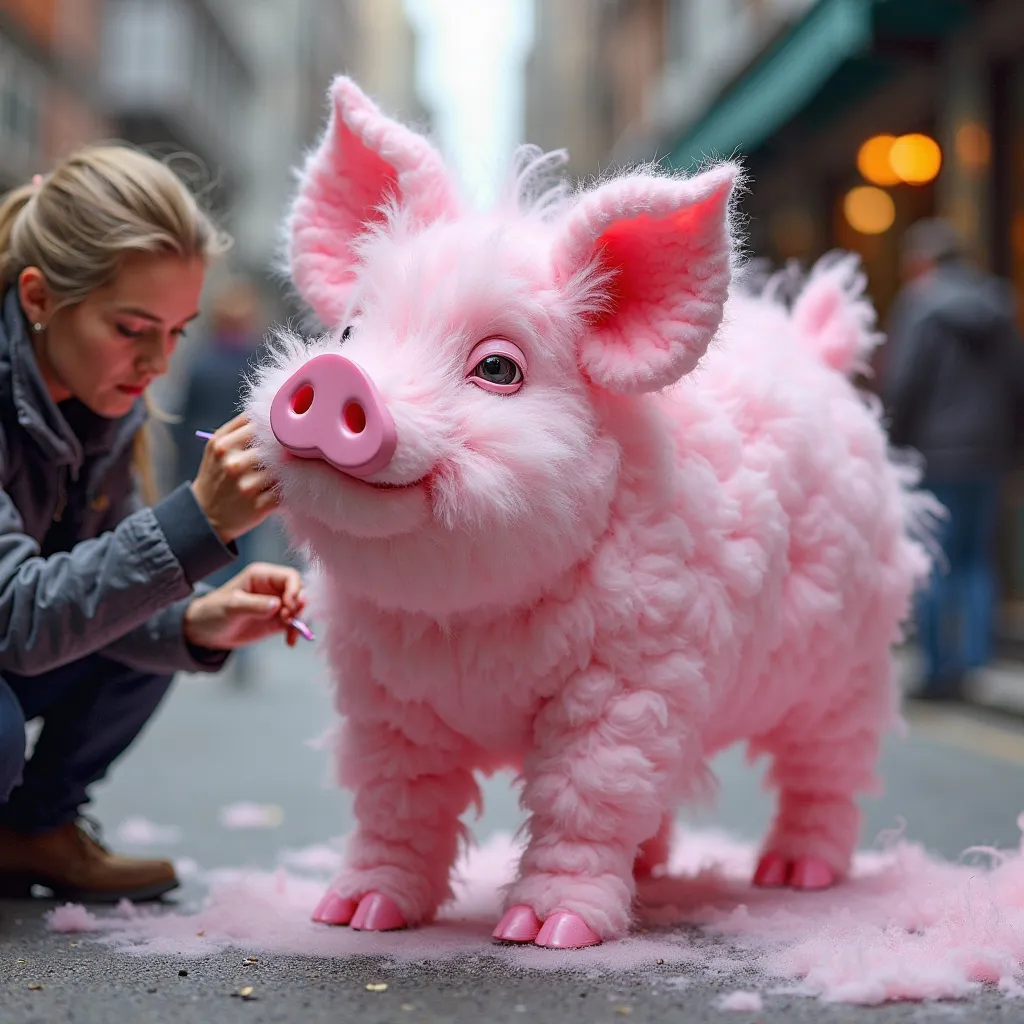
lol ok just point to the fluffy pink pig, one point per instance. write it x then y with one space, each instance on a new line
535 552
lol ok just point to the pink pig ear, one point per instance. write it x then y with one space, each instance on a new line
668 246
364 161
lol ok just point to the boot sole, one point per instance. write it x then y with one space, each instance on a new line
19 887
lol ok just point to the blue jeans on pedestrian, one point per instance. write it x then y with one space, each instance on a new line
955 615
92 710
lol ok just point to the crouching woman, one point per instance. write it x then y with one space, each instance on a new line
101 268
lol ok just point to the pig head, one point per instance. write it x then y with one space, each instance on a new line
454 441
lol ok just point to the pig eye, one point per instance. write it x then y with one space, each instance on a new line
498 370
347 333
497 365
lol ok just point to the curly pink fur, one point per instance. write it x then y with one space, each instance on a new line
684 531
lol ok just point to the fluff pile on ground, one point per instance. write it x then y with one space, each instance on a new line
904 926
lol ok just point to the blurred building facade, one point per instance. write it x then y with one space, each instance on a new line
50 97
796 88
236 88
386 60
857 117
565 101
798 91
293 48
589 76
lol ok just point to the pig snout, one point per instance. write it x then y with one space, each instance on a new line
330 409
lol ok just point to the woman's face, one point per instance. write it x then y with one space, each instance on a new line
106 350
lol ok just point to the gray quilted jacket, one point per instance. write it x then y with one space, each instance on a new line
85 567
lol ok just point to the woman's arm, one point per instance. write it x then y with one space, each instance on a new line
158 645
97 595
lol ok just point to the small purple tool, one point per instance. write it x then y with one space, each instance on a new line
302 628
296 624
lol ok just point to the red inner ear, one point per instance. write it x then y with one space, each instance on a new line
638 249
369 177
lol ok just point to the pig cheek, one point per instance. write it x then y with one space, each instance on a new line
472 483
472 493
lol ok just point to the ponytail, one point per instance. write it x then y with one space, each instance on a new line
10 211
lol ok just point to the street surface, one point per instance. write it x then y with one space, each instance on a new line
958 780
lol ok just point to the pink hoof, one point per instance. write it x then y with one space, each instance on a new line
334 909
811 873
566 930
377 913
520 924
772 870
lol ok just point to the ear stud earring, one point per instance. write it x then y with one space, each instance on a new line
37 327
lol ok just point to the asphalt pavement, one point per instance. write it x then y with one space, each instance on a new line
958 780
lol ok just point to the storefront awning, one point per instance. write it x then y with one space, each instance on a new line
815 54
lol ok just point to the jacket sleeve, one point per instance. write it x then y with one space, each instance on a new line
1013 373
58 609
158 645
906 375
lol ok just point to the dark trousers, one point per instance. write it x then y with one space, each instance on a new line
955 615
92 710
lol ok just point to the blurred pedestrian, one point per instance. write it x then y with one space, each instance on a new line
953 387
101 268
213 388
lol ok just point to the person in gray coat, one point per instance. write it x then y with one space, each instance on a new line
101 267
953 388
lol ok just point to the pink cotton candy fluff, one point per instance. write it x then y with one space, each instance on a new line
905 926
584 502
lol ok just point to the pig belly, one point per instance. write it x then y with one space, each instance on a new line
500 731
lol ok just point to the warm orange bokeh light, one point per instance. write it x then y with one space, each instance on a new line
915 158
873 160
869 210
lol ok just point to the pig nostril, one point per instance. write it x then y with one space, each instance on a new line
302 399
354 417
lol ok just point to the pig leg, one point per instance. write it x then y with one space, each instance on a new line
409 794
654 852
819 775
595 787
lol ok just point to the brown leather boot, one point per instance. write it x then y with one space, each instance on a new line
76 867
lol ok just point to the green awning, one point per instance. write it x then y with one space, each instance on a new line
833 36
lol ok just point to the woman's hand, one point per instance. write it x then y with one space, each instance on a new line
231 487
260 601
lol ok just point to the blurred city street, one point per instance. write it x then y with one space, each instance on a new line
957 781
855 121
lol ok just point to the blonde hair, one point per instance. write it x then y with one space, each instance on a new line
78 223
